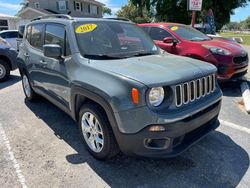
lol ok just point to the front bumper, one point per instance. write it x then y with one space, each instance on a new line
177 137
227 67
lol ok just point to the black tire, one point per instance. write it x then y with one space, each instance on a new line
33 96
4 71
110 146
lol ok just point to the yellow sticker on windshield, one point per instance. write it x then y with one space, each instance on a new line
174 28
86 28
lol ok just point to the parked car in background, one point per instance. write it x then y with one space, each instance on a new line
8 59
21 30
11 37
112 79
230 58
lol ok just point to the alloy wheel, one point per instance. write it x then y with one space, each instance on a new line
2 71
92 132
26 86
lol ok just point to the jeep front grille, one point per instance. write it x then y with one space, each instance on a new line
190 91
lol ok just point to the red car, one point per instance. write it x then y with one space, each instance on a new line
230 58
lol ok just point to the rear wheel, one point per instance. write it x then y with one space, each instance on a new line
96 132
4 71
28 91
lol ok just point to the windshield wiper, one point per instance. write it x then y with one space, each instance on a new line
199 39
100 56
137 54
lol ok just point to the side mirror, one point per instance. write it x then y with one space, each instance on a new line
52 51
170 40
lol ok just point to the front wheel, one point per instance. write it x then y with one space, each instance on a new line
4 71
96 132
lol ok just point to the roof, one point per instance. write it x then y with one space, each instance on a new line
7 16
94 2
162 23
6 31
75 19
40 11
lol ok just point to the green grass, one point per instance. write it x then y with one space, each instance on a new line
245 37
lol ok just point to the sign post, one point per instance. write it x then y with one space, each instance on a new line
194 5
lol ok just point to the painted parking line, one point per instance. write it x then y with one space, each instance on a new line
4 139
235 126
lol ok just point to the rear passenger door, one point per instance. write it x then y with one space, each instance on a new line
54 73
34 52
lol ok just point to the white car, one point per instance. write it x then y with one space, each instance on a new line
11 37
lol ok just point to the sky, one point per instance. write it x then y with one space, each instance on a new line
11 7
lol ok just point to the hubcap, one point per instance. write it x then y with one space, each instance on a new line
2 71
92 132
26 86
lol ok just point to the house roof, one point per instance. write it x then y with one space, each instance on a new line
6 16
40 11
94 2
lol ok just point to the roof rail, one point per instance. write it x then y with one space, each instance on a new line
122 19
63 16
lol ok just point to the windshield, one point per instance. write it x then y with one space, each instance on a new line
107 39
188 33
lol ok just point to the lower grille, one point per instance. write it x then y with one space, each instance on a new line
190 91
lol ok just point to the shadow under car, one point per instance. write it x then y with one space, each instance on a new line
215 161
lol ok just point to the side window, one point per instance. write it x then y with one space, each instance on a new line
36 36
13 35
146 29
28 33
158 33
56 34
3 35
67 47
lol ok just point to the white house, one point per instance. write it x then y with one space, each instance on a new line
8 22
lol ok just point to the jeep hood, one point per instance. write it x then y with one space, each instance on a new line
156 70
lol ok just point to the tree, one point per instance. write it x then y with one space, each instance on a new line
141 5
107 10
176 10
130 12
24 4
247 23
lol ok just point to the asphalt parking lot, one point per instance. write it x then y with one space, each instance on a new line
40 147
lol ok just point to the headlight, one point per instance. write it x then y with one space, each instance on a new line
217 50
156 96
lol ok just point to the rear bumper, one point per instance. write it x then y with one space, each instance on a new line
176 138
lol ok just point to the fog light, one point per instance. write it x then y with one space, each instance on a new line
156 128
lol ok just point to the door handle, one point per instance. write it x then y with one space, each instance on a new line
26 55
44 63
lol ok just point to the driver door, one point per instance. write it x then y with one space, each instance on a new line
158 34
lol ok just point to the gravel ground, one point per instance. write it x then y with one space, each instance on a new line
40 147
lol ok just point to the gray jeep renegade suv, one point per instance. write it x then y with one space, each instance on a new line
124 92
